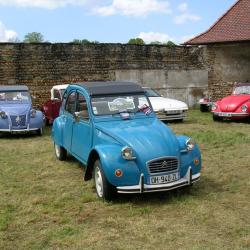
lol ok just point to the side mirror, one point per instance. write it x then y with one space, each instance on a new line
76 116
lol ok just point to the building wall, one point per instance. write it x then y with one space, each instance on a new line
177 72
228 63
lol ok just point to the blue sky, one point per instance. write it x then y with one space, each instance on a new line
114 21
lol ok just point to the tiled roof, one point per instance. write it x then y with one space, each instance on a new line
233 26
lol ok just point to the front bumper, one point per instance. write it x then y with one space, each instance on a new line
230 114
171 115
187 180
24 130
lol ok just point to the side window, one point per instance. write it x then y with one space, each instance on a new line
57 94
81 107
70 103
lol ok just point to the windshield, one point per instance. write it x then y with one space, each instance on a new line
14 96
242 90
110 105
151 93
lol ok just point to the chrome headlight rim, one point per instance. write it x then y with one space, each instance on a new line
190 144
3 115
214 106
244 108
32 113
127 153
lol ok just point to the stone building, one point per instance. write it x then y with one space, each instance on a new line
227 49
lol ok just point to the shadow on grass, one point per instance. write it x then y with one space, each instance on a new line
199 191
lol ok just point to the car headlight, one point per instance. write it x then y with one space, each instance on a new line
127 153
3 115
244 108
190 144
214 106
32 113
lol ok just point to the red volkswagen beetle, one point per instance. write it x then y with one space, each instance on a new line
51 107
235 106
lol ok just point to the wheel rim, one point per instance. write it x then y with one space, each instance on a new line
98 181
57 150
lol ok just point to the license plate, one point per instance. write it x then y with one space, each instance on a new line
162 179
225 114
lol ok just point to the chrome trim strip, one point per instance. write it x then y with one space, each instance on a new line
18 130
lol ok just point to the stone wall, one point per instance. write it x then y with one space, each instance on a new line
177 72
228 63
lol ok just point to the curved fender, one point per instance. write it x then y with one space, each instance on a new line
37 121
111 160
187 158
57 131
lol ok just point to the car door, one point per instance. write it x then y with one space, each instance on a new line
82 129
68 119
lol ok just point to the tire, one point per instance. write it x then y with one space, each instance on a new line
203 108
60 152
216 118
40 131
103 188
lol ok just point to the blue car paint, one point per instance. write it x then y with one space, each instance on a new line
107 135
20 109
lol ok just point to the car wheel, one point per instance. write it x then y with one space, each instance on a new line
216 118
40 131
103 188
60 152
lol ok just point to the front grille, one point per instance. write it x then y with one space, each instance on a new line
18 121
162 165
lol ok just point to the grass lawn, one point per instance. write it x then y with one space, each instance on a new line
44 203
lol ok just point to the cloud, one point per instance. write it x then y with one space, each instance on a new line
185 15
133 8
5 34
46 4
149 37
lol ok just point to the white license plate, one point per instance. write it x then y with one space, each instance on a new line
162 179
225 114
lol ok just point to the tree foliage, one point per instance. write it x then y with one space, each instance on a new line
33 37
136 41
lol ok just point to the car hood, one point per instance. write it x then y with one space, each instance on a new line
167 104
232 102
15 109
149 138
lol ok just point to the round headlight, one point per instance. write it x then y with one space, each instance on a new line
190 144
127 153
244 108
32 113
3 115
214 106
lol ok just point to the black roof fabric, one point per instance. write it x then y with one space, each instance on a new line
115 87
13 88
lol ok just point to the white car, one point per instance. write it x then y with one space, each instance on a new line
165 108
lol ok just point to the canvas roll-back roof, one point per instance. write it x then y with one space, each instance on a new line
110 88
13 88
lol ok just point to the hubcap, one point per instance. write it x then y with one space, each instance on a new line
57 150
98 181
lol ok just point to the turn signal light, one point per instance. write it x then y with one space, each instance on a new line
196 161
118 173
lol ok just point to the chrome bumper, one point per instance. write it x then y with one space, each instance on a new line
187 180
171 116
229 114
19 130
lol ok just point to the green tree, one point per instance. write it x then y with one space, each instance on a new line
170 44
136 41
83 41
14 40
33 37
156 43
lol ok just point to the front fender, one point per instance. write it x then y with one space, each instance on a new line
57 131
188 157
37 121
111 160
